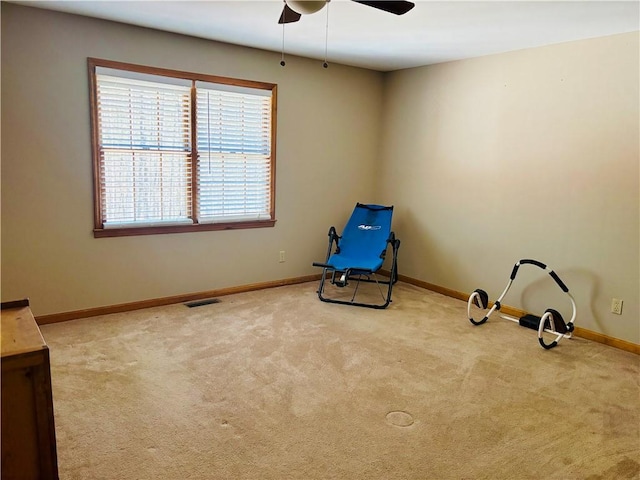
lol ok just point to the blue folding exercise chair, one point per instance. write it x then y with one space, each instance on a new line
359 253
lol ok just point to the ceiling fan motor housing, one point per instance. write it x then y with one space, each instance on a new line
306 7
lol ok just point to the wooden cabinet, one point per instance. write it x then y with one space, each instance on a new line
28 434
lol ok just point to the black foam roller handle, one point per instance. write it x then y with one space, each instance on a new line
514 271
478 322
560 283
533 262
545 346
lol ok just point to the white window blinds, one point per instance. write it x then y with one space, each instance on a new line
234 150
176 151
145 151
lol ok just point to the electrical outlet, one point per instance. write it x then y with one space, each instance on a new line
616 306
281 256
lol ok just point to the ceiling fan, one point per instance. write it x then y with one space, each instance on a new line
294 9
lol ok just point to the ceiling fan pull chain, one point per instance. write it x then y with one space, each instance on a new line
282 63
326 37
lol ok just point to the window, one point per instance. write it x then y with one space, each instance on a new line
176 151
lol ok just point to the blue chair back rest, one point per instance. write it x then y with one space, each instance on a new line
365 234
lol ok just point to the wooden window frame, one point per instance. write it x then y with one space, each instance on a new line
99 230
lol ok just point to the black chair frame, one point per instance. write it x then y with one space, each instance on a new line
341 278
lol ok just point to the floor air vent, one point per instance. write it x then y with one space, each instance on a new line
200 303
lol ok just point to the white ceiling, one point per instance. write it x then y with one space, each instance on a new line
433 32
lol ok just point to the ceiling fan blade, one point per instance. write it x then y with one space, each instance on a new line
397 7
288 15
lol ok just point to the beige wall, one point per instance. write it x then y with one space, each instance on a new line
530 154
328 129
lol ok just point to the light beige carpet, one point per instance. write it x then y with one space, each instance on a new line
275 384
